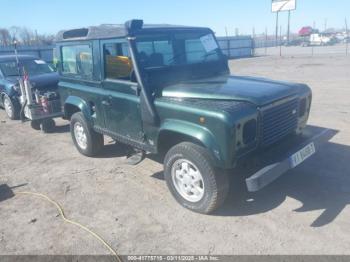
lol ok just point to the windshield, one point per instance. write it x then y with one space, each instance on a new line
176 48
32 67
177 55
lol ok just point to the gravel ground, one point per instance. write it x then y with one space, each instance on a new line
304 212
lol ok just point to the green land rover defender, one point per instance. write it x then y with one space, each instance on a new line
168 90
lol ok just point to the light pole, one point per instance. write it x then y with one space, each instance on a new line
288 30
277 28
347 37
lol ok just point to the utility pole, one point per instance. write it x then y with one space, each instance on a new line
36 37
277 28
228 44
281 41
265 40
288 30
347 37
253 39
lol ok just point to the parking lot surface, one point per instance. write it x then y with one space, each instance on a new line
306 211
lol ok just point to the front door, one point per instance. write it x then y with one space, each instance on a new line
121 102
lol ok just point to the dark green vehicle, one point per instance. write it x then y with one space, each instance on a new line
167 89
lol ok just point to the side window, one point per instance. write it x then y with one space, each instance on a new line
117 61
77 60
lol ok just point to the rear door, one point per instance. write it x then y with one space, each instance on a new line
121 102
80 81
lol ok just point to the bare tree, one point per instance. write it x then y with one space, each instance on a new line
46 39
5 37
24 36
14 32
27 36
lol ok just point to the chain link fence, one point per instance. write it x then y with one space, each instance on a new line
43 52
233 47
298 46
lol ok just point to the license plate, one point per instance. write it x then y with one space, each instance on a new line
300 156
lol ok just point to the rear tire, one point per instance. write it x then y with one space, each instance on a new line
184 165
86 140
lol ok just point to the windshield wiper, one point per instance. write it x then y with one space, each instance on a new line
206 55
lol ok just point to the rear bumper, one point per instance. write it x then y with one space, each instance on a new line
277 161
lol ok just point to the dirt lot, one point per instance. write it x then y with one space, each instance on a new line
304 212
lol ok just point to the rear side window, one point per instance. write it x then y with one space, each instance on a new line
77 60
117 60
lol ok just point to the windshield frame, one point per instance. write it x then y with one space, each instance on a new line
157 78
168 34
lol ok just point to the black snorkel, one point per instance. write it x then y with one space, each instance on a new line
148 111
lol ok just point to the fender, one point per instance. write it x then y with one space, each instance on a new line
13 97
8 91
196 132
79 103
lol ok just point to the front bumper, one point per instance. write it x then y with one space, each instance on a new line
277 160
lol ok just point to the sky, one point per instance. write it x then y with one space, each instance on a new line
50 16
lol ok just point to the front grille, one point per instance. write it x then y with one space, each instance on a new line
278 121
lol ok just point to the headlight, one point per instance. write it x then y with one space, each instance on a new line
302 107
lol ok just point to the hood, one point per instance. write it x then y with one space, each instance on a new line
40 82
259 91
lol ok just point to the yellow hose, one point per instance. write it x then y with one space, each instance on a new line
60 209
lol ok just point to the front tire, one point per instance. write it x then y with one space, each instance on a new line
47 125
11 108
85 139
192 178
35 124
